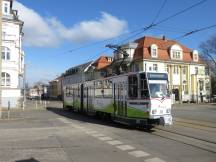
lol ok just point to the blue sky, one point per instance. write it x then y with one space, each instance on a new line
52 28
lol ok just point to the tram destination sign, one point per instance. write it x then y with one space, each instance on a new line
157 76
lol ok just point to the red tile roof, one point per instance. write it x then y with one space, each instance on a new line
144 44
102 62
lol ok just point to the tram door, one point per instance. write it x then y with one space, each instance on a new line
120 103
89 99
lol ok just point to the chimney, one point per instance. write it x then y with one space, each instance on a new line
164 37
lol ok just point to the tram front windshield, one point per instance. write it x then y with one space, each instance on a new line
158 90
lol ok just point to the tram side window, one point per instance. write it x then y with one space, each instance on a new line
70 91
143 87
133 86
99 89
67 91
107 89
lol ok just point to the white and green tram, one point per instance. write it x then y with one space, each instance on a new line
133 98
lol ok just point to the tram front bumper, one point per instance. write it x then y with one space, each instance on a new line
166 120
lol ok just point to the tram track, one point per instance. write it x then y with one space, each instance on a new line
195 123
197 142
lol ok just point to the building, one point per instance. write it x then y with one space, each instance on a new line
55 88
88 71
188 79
100 68
12 56
77 74
39 91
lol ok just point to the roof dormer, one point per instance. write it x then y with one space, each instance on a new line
154 51
176 52
195 56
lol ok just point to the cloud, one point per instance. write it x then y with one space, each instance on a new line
50 32
37 31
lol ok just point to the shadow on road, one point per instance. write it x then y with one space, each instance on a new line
93 119
28 160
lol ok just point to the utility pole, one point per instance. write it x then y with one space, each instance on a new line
24 87
0 58
119 49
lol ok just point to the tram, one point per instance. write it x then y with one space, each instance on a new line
139 98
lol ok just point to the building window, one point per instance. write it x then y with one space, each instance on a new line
195 55
6 81
154 50
4 35
201 85
196 70
176 54
155 67
167 69
183 70
150 68
175 70
6 8
5 53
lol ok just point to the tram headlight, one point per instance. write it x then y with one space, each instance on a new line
154 111
168 111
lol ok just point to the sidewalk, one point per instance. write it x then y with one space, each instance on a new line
19 113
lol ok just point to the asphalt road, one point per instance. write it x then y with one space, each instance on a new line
201 112
57 135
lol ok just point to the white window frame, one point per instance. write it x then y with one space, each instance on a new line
6 8
6 79
196 70
154 51
6 53
176 52
175 69
195 56
184 71
155 67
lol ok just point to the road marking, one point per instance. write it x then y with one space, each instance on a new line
80 127
91 132
64 120
125 147
105 138
86 129
98 135
154 160
139 153
114 142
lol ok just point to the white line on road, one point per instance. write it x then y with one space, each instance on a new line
114 142
154 160
79 127
64 120
125 147
98 135
91 132
139 153
105 138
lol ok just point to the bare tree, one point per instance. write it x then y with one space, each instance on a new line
208 54
208 49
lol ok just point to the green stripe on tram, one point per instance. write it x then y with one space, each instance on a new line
131 112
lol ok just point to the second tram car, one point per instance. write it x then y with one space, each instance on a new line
134 98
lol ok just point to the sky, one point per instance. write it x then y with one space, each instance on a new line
62 34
